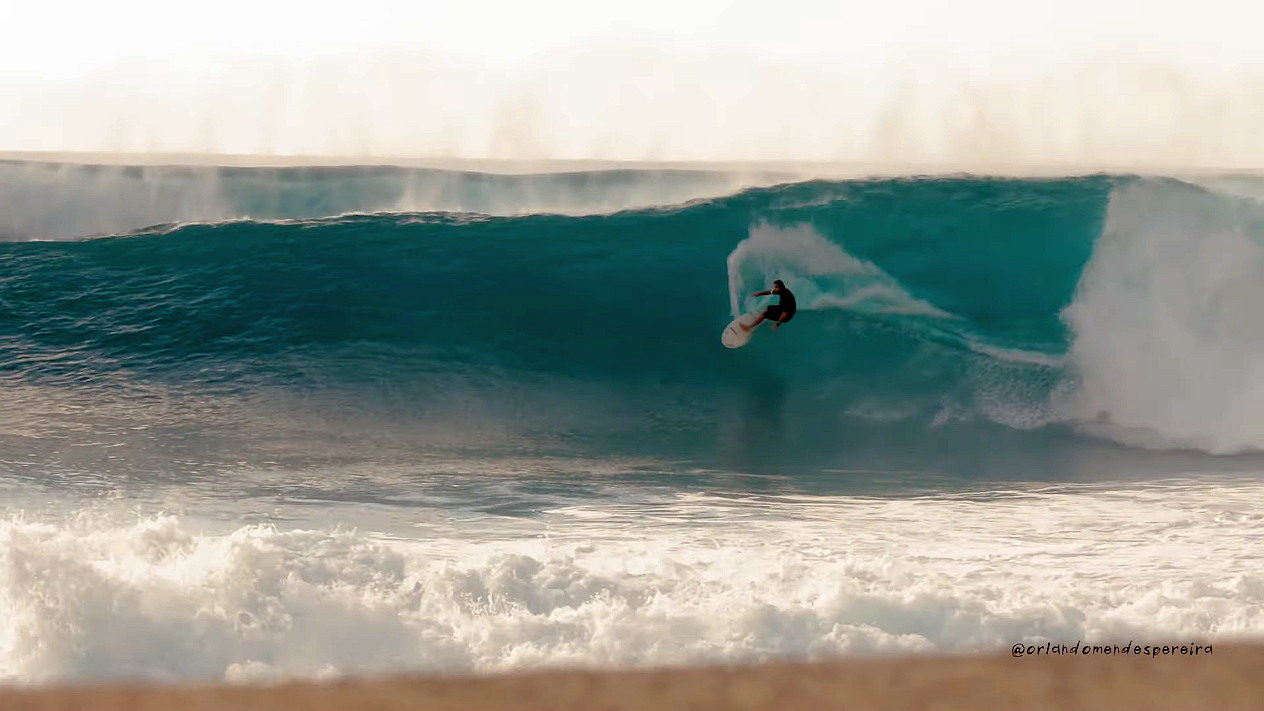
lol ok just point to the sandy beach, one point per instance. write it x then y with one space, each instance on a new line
1225 679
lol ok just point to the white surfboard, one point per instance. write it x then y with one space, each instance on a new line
734 336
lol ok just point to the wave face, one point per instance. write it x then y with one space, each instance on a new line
934 313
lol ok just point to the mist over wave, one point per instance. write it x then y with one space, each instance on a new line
915 112
44 200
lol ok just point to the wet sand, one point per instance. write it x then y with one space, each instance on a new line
1227 678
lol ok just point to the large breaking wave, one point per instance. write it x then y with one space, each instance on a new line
1121 307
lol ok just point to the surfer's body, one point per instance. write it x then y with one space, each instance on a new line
777 313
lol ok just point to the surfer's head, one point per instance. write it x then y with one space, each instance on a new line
778 286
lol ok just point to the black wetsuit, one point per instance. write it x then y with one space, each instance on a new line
787 306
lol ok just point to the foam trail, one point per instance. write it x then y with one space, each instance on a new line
820 273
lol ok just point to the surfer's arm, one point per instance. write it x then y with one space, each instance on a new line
761 293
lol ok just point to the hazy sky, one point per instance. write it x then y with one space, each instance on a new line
60 37
663 79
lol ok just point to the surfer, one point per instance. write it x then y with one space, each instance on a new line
777 313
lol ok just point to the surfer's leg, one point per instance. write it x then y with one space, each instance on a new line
772 312
754 324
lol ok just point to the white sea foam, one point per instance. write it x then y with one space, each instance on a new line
691 578
1168 344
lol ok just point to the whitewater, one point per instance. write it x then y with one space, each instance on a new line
300 422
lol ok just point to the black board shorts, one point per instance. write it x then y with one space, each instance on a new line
774 311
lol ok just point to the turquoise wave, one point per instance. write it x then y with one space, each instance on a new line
922 302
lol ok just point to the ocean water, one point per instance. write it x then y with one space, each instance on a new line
306 422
